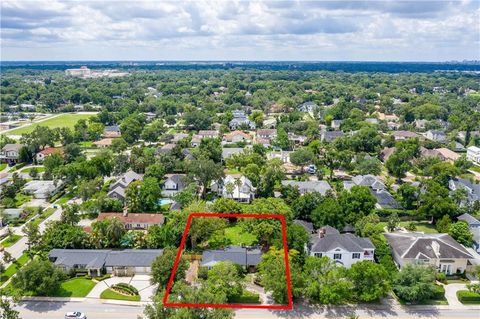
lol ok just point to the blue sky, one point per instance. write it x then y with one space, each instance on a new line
240 30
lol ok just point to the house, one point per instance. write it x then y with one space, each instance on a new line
103 143
133 220
371 120
447 154
387 117
150 116
335 124
229 151
173 184
42 189
437 136
473 154
267 133
209 133
240 119
385 200
462 136
284 156
196 140
474 226
386 153
472 189
421 124
112 131
370 181
10 153
95 262
306 225
236 187
404 135
248 258
117 189
270 123
178 137
237 136
438 250
40 156
10 213
330 136
308 107
345 249
425 152
321 187
165 149
296 139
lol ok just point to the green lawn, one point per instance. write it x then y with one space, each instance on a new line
63 120
10 240
21 199
77 287
110 294
12 269
238 237
86 144
64 199
475 168
40 169
44 215
246 297
422 226
2 166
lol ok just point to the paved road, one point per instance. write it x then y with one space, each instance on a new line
97 309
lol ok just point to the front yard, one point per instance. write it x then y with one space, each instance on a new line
76 287
12 269
111 294
10 240
421 226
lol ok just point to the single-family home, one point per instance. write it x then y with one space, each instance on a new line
40 156
95 262
371 120
473 154
267 133
209 133
365 180
345 249
134 220
385 200
330 136
335 124
447 154
404 135
421 124
270 123
437 136
462 136
42 189
173 184
229 151
112 131
103 143
196 140
9 214
178 137
237 136
296 139
248 258
304 187
165 149
472 189
308 107
236 187
308 226
284 156
239 120
117 189
10 153
474 226
438 250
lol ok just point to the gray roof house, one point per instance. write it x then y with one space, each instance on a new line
365 180
243 256
94 261
472 189
330 136
474 226
239 118
439 250
385 200
437 136
229 151
308 107
117 189
321 187
10 153
306 225
173 184
344 249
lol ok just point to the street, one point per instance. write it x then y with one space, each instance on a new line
100 309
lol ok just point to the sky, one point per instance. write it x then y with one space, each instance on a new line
53 30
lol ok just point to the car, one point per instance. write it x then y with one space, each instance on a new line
311 169
75 315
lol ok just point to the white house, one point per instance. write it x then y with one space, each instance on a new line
474 226
344 249
304 187
473 154
10 153
437 136
173 184
42 189
236 187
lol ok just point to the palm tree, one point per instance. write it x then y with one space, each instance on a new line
238 184
114 232
229 188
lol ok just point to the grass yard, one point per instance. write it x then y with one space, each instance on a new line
110 294
246 297
44 215
475 168
21 199
10 240
63 120
423 226
2 166
238 237
12 269
64 199
77 287
40 169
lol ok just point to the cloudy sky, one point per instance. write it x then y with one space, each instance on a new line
240 30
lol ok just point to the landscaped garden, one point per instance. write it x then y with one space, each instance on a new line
246 297
121 291
468 297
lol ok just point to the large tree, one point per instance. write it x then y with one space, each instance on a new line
38 277
162 267
415 283
370 281
204 171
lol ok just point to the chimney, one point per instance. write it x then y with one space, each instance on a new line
125 211
436 248
321 233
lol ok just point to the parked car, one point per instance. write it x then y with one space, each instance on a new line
311 169
75 315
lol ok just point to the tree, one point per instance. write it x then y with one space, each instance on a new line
297 237
59 235
197 120
415 283
356 203
302 157
399 163
369 166
460 231
443 224
370 281
71 152
435 201
227 206
152 132
328 212
393 221
327 283
131 127
162 267
271 174
211 148
282 140
107 233
223 279
335 159
7 311
408 195
32 231
38 277
204 171
70 214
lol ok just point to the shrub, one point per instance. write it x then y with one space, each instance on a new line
465 296
245 298
440 276
439 293
125 288
203 273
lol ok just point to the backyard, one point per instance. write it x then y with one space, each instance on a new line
63 120
237 237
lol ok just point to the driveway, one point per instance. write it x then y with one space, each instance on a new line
451 294
141 282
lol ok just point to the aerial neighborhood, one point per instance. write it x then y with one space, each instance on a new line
377 178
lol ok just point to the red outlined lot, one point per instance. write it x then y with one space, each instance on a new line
182 244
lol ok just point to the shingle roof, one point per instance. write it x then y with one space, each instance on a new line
348 242
413 245
132 257
229 151
385 199
12 147
469 219
306 225
309 186
234 254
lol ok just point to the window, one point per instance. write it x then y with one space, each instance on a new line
337 256
356 256
317 254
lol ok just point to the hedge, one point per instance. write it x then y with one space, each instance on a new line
465 296
246 297
128 289
439 293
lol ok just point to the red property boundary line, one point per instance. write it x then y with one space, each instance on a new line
288 306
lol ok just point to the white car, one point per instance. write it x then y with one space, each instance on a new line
75 315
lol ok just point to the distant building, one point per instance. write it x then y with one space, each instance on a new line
79 72
321 187
42 189
173 184
474 226
237 136
245 257
473 154
437 136
472 189
239 120
117 189
330 136
10 153
344 249
40 156
133 220
335 124
284 156
103 143
112 131
229 151
404 135
438 250
241 191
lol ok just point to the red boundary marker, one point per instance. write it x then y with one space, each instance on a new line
182 244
